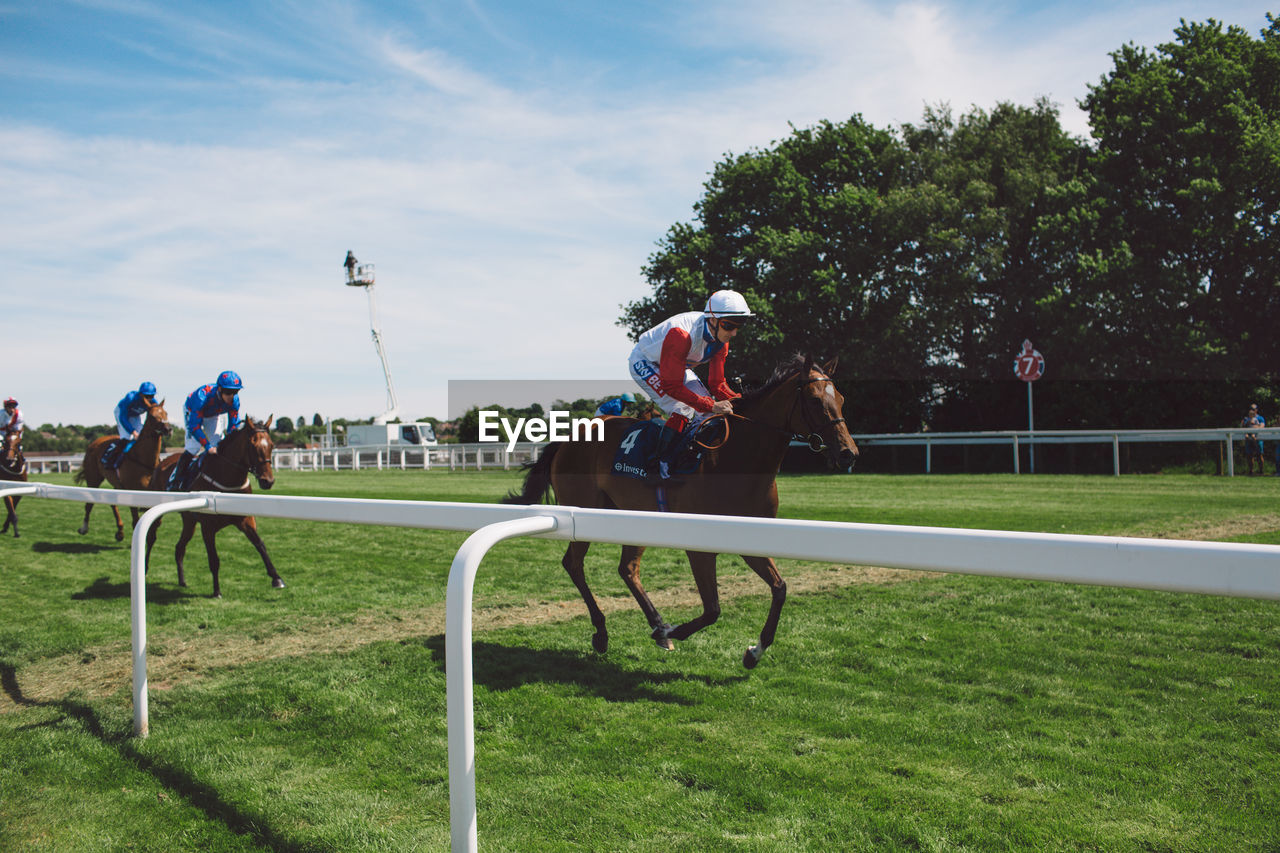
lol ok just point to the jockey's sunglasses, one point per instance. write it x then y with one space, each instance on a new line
731 325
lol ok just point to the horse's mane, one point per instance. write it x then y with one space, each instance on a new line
784 371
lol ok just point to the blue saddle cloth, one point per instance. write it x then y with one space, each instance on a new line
638 448
115 451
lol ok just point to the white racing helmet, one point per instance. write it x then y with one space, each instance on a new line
727 303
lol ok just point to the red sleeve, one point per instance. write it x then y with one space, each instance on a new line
671 368
715 376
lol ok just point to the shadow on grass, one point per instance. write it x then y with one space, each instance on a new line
175 779
103 588
499 667
73 547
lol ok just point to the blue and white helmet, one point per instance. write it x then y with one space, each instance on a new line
147 389
229 380
727 303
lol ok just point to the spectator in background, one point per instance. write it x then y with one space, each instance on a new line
1252 446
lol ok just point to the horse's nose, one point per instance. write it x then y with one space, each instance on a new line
847 458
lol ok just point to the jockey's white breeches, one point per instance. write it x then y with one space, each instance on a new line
135 425
645 374
215 429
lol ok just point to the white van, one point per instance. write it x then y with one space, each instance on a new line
418 434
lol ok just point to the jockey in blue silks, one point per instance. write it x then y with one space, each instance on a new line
211 411
615 406
131 411
130 414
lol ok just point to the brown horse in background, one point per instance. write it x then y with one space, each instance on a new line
736 478
13 467
244 454
135 468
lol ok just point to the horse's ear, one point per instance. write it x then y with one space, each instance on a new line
808 364
830 367
267 423
160 404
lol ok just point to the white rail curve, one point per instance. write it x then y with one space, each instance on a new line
1217 568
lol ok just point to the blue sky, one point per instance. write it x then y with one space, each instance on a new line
183 180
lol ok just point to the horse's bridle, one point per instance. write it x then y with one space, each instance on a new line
251 468
814 439
19 466
125 457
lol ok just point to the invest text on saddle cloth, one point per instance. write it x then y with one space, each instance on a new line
736 477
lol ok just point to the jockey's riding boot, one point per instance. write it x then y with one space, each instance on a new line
111 458
178 479
658 471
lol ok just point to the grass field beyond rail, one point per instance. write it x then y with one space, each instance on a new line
896 711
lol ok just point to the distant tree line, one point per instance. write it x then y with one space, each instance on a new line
1143 263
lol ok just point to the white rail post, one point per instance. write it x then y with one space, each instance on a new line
459 695
1017 464
1115 453
138 603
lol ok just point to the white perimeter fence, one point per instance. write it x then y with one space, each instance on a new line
1203 567
460 457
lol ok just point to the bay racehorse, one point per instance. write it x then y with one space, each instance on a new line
135 468
242 456
13 466
737 477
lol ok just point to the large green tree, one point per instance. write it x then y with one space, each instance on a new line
801 231
1187 200
979 269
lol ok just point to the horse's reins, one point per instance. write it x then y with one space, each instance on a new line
248 470
814 439
16 471
127 456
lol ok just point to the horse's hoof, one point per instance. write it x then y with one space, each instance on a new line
751 657
216 595
119 536
277 583
82 530
665 644
600 642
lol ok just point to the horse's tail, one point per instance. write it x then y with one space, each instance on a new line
80 475
537 482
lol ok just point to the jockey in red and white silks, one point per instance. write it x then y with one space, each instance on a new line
11 419
663 359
